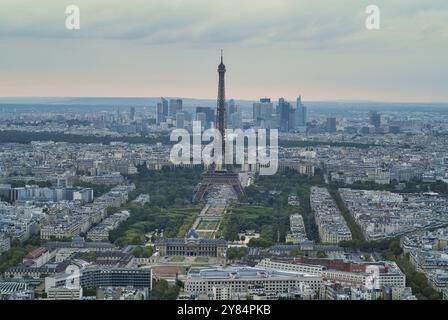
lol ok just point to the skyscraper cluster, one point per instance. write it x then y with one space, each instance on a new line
233 115
285 117
172 110
162 111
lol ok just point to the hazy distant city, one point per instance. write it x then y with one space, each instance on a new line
88 183
92 206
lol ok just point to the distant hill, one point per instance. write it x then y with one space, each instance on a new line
98 103
104 103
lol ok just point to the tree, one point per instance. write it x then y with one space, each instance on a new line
147 252
162 291
89 292
321 254
236 253
296 253
259 242
88 256
137 251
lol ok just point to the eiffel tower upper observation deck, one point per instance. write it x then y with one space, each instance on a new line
219 176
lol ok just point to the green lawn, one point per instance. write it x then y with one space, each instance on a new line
174 221
178 259
170 208
205 235
208 224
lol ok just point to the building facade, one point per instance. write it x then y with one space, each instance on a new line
192 246
245 279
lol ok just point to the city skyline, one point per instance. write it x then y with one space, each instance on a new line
226 157
280 49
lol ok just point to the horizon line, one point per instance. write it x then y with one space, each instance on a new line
340 100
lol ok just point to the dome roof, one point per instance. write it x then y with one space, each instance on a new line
192 234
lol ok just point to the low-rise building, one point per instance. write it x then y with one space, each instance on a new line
388 273
297 227
330 222
192 246
91 276
245 280
438 280
37 258
294 267
63 293
5 243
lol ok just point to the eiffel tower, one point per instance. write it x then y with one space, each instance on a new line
221 174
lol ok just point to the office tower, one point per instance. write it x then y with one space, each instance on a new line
202 118
160 117
262 112
175 106
292 119
187 115
375 119
284 109
234 115
118 116
275 121
394 129
231 107
236 119
132 114
179 105
267 109
331 125
180 120
165 107
209 115
301 113
256 112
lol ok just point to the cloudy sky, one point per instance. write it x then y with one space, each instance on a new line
140 48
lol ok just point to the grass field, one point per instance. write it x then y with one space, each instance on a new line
178 259
205 235
174 221
208 224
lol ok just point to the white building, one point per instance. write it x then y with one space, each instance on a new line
222 293
5 243
293 267
330 222
63 293
389 274
241 280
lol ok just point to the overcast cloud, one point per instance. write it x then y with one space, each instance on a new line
320 49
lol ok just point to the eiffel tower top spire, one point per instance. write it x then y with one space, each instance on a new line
222 67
